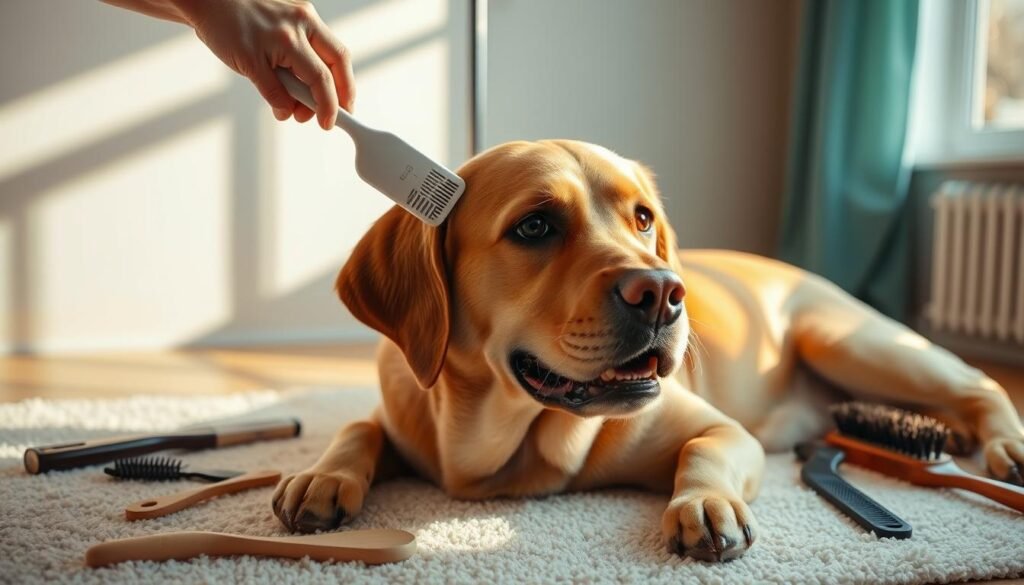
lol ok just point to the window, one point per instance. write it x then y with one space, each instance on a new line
969 89
998 97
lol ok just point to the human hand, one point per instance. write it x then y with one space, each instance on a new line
253 37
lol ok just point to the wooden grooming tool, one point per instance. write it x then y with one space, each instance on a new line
908 446
372 547
164 505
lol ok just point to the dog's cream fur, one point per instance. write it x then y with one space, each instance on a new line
769 347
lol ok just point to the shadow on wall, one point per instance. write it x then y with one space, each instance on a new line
149 199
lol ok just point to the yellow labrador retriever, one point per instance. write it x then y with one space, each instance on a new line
543 340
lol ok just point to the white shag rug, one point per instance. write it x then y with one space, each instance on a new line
48 521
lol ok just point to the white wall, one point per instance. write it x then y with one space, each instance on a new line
148 198
699 90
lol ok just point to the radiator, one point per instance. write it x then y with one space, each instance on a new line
977 282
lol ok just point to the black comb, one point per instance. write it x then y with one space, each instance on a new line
162 469
821 473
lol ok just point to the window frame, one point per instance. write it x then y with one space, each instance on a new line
946 87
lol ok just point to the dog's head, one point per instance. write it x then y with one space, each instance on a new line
557 272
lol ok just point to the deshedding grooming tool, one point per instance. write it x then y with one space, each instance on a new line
390 165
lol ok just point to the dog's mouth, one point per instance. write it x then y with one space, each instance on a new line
632 383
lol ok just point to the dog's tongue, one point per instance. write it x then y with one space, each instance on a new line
539 386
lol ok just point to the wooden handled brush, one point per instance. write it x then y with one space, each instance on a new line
908 446
93 451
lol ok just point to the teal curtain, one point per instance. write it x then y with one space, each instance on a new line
846 182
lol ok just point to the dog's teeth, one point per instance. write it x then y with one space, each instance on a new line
608 375
652 366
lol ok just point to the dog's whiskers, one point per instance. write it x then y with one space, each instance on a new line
704 324
696 344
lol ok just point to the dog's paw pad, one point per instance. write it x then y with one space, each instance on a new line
708 527
311 501
308 521
1004 457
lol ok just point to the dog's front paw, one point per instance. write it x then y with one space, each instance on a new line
708 526
1004 457
315 500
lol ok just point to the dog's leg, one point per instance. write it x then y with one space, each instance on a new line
877 358
332 490
718 472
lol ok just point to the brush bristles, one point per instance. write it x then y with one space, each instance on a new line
898 430
148 468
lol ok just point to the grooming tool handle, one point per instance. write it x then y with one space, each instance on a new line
369 546
820 473
261 430
164 505
82 453
950 475
300 91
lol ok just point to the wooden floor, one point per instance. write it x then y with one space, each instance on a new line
186 372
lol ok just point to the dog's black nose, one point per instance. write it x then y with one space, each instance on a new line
654 297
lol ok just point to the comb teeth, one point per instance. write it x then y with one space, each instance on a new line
146 468
906 432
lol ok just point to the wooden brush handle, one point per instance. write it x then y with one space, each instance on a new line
950 475
370 546
163 505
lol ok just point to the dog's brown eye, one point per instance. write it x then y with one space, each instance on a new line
533 227
644 219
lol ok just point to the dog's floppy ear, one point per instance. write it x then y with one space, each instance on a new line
395 281
667 247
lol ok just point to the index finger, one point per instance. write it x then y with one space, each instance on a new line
339 59
313 72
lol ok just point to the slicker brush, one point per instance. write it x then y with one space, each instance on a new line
162 469
909 446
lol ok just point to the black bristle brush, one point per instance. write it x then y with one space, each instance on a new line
94 451
163 468
908 445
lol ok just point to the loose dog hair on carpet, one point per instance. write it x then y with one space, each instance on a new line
48 521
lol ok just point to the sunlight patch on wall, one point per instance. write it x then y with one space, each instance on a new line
381 26
107 100
318 206
136 252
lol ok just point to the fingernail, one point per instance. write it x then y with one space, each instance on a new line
339 516
675 545
1014 475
